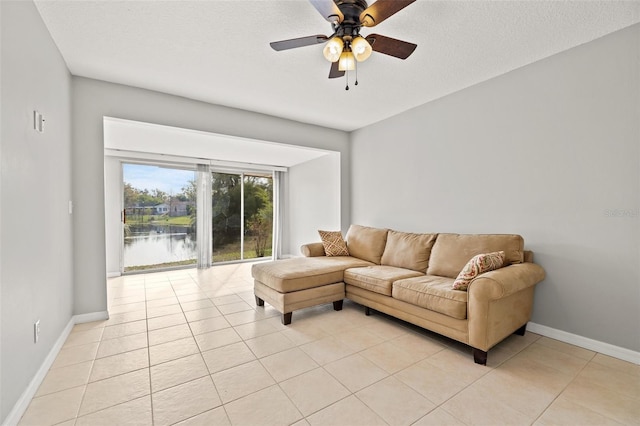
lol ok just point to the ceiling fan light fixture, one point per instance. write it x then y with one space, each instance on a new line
347 62
361 49
333 49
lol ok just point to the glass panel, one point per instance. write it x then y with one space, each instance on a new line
160 212
258 216
226 194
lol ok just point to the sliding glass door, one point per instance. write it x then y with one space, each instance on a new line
226 212
165 207
159 213
258 215
242 216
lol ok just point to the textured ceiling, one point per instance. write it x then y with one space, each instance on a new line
218 51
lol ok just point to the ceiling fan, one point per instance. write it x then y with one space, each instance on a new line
346 46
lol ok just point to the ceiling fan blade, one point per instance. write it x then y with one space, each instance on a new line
328 9
381 10
334 72
298 42
391 46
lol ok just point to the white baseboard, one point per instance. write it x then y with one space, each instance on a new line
90 317
113 274
21 406
584 342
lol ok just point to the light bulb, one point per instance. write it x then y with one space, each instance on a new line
333 49
347 62
361 48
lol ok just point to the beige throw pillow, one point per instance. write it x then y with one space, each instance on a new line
478 264
333 243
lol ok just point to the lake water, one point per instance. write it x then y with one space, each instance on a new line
157 244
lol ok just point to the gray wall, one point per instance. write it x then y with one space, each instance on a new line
550 151
313 202
35 188
113 209
93 99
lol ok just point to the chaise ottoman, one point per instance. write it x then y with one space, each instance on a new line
297 283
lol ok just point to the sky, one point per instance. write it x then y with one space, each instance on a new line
143 177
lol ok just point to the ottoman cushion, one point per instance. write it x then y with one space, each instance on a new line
301 273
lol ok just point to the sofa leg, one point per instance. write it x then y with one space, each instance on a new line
521 330
259 302
480 357
337 305
286 318
367 311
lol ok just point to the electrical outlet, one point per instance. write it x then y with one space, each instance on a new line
36 331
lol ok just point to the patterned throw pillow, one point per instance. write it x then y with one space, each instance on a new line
333 243
478 265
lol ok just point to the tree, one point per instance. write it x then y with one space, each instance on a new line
226 206
258 211
190 193
261 226
130 195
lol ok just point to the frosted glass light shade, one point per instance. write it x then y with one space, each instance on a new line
333 49
361 48
347 62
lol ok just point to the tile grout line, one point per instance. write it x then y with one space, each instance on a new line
476 380
148 352
567 386
86 385
222 404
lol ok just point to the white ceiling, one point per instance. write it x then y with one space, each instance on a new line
218 51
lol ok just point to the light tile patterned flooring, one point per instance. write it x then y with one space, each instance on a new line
191 347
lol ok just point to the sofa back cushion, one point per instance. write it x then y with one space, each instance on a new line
451 252
409 251
366 243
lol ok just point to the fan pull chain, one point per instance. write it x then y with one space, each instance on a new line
347 87
356 64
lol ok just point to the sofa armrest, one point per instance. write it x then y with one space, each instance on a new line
312 250
505 281
500 302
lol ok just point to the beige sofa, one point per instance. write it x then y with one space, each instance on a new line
410 276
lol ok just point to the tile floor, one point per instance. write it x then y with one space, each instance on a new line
190 347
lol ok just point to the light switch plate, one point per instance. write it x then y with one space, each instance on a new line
38 122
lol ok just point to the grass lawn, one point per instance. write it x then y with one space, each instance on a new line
160 265
158 220
231 252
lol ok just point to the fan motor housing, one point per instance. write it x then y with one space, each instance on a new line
351 9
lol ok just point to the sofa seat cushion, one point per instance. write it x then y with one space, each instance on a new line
433 293
301 273
379 278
